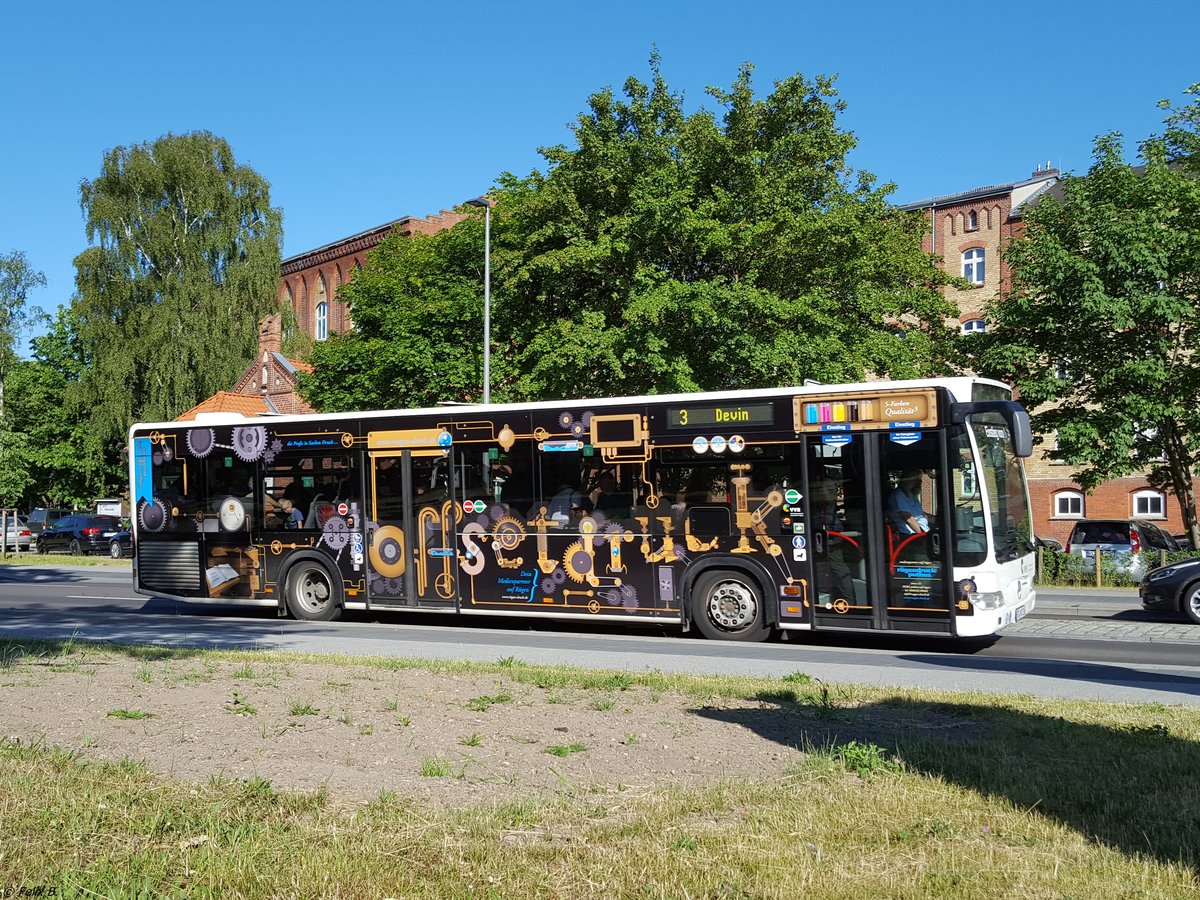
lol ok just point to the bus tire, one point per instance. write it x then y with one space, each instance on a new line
313 595
727 605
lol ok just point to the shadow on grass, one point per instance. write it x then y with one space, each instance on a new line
14 651
1134 788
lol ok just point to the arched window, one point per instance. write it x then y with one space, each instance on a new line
321 331
973 265
972 221
1149 504
321 325
974 326
1068 505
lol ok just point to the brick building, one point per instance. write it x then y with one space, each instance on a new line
968 231
308 284
310 280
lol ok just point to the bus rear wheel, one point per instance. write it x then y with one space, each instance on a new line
312 594
727 606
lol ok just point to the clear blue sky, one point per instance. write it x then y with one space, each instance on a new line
358 114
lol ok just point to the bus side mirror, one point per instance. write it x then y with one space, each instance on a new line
1013 414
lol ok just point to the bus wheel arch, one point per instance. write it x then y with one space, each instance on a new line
312 590
729 603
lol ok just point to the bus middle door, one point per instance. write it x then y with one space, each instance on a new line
411 538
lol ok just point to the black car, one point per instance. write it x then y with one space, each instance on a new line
120 545
79 534
1175 588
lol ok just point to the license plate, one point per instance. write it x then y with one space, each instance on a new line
1019 613
108 534
1087 554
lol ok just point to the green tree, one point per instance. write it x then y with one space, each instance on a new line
185 263
17 279
1101 329
664 251
45 458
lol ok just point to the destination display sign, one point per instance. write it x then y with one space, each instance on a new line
723 416
909 409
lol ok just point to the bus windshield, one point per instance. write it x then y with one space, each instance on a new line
1003 482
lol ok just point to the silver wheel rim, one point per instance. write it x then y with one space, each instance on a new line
115 551
312 591
1193 604
732 606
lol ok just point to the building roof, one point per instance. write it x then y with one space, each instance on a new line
228 401
1047 175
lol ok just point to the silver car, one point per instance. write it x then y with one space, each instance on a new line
17 535
1133 546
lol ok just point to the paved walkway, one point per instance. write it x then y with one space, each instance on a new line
1108 630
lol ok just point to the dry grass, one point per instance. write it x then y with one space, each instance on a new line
896 794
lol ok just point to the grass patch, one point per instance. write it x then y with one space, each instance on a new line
565 749
63 559
435 767
897 793
484 703
240 706
302 708
129 714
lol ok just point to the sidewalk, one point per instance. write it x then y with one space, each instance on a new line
1102 630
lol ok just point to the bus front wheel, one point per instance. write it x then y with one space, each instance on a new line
312 594
727 606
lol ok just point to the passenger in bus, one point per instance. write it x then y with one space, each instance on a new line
566 499
904 504
613 503
293 518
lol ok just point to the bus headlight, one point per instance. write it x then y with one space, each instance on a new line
980 599
987 599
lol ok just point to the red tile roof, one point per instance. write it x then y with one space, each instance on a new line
227 401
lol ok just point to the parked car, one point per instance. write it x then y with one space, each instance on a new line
120 545
79 534
17 535
1124 541
1175 588
44 516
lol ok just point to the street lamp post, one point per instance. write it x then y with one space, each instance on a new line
487 203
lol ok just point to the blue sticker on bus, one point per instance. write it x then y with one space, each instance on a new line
836 439
143 472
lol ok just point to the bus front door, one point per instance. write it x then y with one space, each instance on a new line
410 541
871 569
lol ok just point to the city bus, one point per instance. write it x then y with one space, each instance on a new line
739 514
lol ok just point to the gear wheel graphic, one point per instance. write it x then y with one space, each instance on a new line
578 562
565 420
271 452
336 534
153 515
554 581
613 531
200 442
629 597
509 533
249 442
168 453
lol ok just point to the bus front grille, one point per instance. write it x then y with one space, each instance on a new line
169 567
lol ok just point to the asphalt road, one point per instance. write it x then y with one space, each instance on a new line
1078 644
